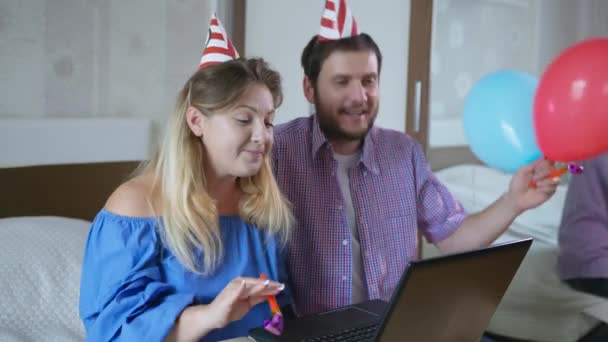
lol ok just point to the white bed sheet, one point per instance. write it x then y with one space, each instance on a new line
537 305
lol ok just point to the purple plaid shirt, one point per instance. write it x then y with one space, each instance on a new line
393 192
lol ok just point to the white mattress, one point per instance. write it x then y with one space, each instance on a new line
41 261
537 305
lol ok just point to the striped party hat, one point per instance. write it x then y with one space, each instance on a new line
218 47
337 21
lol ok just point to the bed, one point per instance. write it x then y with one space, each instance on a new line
537 305
55 174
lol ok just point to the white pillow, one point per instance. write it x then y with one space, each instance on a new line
41 260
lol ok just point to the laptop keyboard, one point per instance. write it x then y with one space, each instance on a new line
348 335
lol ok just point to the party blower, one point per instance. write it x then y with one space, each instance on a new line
275 324
574 169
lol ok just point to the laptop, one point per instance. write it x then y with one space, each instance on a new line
446 298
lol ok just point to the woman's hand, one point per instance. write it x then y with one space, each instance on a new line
239 296
235 300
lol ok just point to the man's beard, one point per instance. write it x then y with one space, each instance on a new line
331 127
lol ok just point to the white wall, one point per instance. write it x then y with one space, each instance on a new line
105 58
278 30
129 58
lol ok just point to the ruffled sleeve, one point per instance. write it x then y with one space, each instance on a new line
123 295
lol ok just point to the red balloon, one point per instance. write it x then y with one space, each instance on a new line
571 103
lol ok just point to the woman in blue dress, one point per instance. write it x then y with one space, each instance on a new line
177 251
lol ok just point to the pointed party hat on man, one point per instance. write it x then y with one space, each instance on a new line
337 21
218 47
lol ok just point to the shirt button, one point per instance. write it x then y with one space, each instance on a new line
345 278
345 242
340 207
364 173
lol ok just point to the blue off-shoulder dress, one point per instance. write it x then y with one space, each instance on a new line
133 288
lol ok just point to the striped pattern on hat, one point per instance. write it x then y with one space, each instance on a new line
218 47
337 21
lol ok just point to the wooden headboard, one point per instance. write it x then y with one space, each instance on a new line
70 190
67 166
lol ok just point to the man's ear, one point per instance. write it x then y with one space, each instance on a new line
309 91
195 119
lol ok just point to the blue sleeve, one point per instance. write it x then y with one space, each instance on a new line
122 295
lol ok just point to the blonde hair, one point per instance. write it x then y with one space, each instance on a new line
189 217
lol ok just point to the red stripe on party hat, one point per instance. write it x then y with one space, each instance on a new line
337 21
218 47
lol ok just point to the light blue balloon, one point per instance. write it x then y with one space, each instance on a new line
498 120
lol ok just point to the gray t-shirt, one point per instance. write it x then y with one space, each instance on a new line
359 286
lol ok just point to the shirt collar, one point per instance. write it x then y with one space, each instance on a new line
368 153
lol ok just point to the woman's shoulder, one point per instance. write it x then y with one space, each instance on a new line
126 216
134 198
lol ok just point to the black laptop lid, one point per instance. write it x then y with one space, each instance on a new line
453 297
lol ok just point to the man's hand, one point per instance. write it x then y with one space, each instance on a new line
522 196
